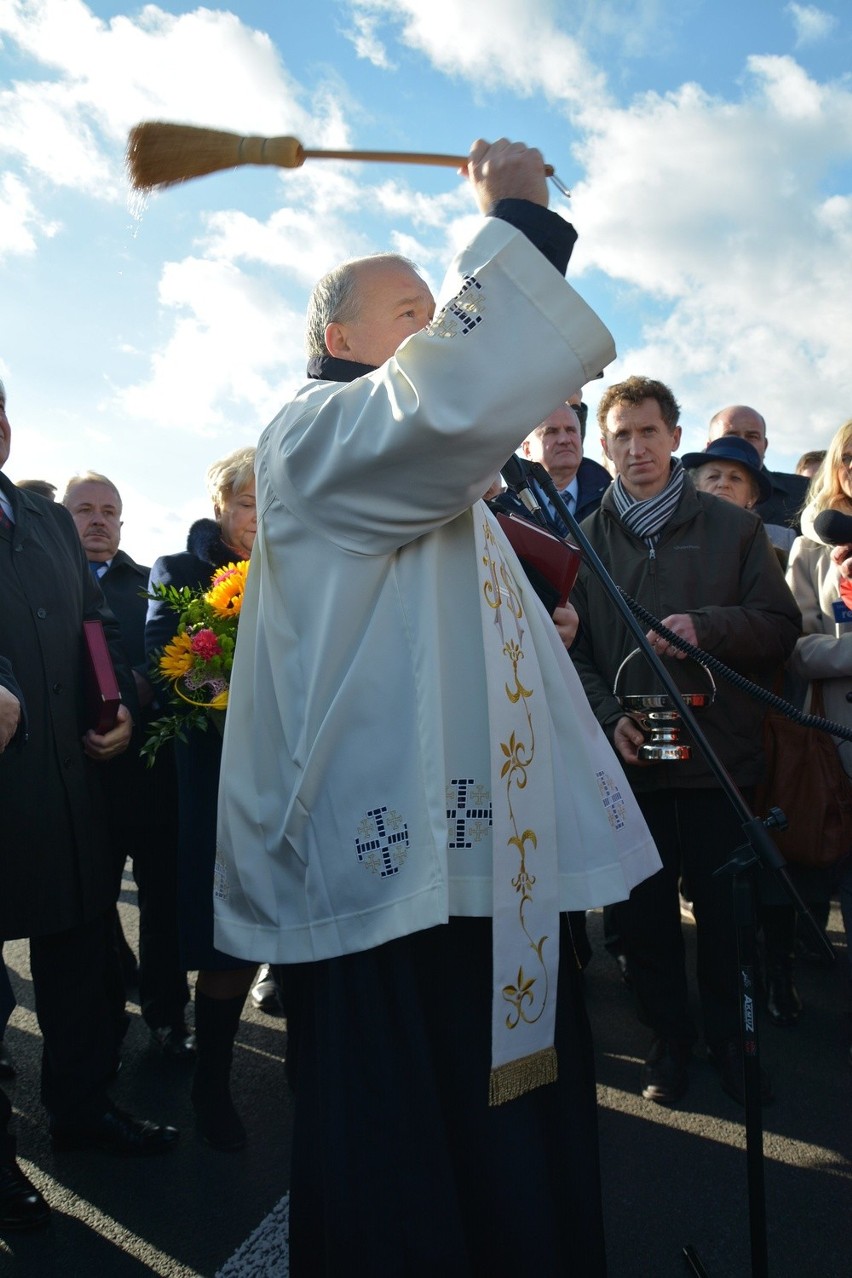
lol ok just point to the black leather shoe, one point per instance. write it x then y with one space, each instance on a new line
728 1060
175 1042
664 1074
115 1132
21 1205
783 1005
7 1068
266 992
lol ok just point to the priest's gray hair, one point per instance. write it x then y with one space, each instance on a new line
335 298
2 391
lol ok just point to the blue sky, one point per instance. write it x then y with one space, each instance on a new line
709 147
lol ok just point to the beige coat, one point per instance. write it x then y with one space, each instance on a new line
825 648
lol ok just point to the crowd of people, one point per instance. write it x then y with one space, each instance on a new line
427 774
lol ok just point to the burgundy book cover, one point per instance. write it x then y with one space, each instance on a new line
557 560
102 692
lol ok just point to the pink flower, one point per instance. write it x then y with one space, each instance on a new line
205 645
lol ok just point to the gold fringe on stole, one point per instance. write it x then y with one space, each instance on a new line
516 1078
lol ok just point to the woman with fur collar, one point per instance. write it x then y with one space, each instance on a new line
223 981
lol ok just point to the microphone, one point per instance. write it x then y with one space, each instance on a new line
834 527
515 474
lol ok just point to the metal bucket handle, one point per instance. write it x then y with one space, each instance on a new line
632 654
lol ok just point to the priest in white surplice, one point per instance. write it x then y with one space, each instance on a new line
414 789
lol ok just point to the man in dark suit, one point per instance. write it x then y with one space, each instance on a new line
788 491
557 444
58 881
141 801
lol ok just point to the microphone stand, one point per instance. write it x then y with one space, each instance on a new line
758 851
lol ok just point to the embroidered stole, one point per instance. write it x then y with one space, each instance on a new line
525 942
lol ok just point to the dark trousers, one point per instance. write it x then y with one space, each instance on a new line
399 1164
143 824
72 981
163 990
695 831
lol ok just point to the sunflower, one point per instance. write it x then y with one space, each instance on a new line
177 658
225 596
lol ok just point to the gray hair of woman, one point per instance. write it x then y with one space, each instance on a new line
230 475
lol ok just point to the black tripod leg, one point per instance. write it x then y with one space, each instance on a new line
744 915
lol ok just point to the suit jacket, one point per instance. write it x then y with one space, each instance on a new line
141 800
592 482
56 871
125 585
789 493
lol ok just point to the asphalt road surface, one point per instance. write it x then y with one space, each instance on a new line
671 1177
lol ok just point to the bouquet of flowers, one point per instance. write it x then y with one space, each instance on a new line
196 665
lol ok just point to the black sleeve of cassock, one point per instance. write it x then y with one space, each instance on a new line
550 233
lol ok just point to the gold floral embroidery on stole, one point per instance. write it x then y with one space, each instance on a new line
527 995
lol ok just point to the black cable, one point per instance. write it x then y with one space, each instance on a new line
739 681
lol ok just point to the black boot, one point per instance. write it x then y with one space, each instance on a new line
783 1005
216 1024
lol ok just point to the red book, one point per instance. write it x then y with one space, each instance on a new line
102 692
557 560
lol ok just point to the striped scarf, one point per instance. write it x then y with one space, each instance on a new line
647 519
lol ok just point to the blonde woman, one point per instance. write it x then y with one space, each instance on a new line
824 651
223 981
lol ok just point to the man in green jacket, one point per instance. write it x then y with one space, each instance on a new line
707 569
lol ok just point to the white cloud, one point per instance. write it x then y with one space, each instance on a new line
235 310
315 228
721 222
505 44
45 130
106 76
810 23
231 340
717 210
231 346
366 43
20 223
